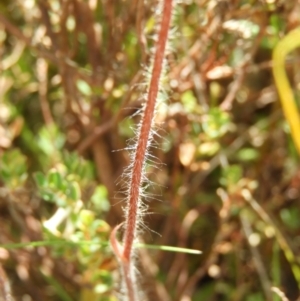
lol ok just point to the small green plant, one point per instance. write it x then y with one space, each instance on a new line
13 168
74 89
70 186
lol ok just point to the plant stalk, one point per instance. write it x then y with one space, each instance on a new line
145 130
144 139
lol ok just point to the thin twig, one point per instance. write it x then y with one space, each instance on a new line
282 241
46 53
280 293
221 235
139 28
5 290
103 128
258 262
227 103
42 75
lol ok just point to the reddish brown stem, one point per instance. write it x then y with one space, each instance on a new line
124 253
145 130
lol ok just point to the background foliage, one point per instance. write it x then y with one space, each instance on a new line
228 178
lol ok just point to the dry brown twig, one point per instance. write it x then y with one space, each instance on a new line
5 291
222 233
226 105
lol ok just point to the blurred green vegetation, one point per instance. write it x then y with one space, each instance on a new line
71 85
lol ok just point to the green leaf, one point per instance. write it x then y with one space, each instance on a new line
55 179
208 148
48 196
216 123
231 175
291 217
13 168
73 191
86 218
84 87
99 199
50 140
247 154
189 101
40 179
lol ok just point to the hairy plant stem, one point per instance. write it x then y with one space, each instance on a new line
125 252
144 135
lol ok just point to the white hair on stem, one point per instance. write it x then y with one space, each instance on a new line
135 174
